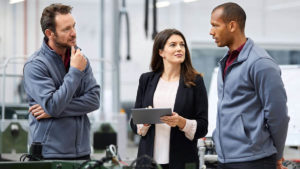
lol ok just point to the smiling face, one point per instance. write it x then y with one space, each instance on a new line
65 35
173 51
219 30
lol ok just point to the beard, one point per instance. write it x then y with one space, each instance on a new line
60 44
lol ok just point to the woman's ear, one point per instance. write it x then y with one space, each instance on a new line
161 52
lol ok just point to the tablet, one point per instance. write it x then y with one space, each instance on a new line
149 116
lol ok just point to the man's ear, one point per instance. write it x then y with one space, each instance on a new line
233 26
48 33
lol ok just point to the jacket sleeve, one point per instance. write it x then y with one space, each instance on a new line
270 89
88 101
138 102
40 86
201 109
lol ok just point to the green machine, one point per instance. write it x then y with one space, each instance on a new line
110 161
14 138
13 129
55 165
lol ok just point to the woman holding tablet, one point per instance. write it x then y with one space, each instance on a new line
172 83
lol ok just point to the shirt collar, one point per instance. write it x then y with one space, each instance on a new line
238 50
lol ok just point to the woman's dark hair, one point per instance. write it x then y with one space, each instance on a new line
187 71
49 13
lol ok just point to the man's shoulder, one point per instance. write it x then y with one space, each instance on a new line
37 58
258 52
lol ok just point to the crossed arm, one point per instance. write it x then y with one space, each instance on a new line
64 101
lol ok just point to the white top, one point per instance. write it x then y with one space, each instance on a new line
164 97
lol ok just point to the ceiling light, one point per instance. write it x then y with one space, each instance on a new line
162 4
188 1
15 1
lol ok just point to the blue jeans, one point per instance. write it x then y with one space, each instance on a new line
264 163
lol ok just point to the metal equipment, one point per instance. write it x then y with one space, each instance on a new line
154 18
123 11
13 124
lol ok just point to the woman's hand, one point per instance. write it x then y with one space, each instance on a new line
174 120
147 125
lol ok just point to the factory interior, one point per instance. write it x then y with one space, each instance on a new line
117 37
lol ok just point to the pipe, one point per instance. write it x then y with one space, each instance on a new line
25 28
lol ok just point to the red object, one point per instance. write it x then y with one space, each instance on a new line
67 59
232 57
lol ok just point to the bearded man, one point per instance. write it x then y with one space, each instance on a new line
61 89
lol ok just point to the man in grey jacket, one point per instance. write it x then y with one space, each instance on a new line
61 89
252 116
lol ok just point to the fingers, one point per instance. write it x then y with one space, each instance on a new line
39 109
43 116
33 107
279 164
171 120
78 60
37 113
72 51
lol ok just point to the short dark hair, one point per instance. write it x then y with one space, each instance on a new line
233 12
156 65
49 13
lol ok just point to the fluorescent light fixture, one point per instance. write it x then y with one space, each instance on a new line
162 4
15 1
188 1
284 6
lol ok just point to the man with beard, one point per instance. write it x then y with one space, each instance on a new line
61 89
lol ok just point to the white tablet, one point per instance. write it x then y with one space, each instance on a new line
149 116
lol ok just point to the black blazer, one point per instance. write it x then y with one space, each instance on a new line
190 103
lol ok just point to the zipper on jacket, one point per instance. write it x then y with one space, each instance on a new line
223 89
219 117
76 135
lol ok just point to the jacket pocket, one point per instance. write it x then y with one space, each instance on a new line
47 131
60 137
216 140
235 142
83 143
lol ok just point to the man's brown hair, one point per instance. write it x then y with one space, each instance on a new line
49 13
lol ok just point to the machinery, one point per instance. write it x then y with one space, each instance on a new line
13 124
110 161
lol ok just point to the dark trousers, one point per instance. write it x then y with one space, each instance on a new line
164 166
87 157
264 163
